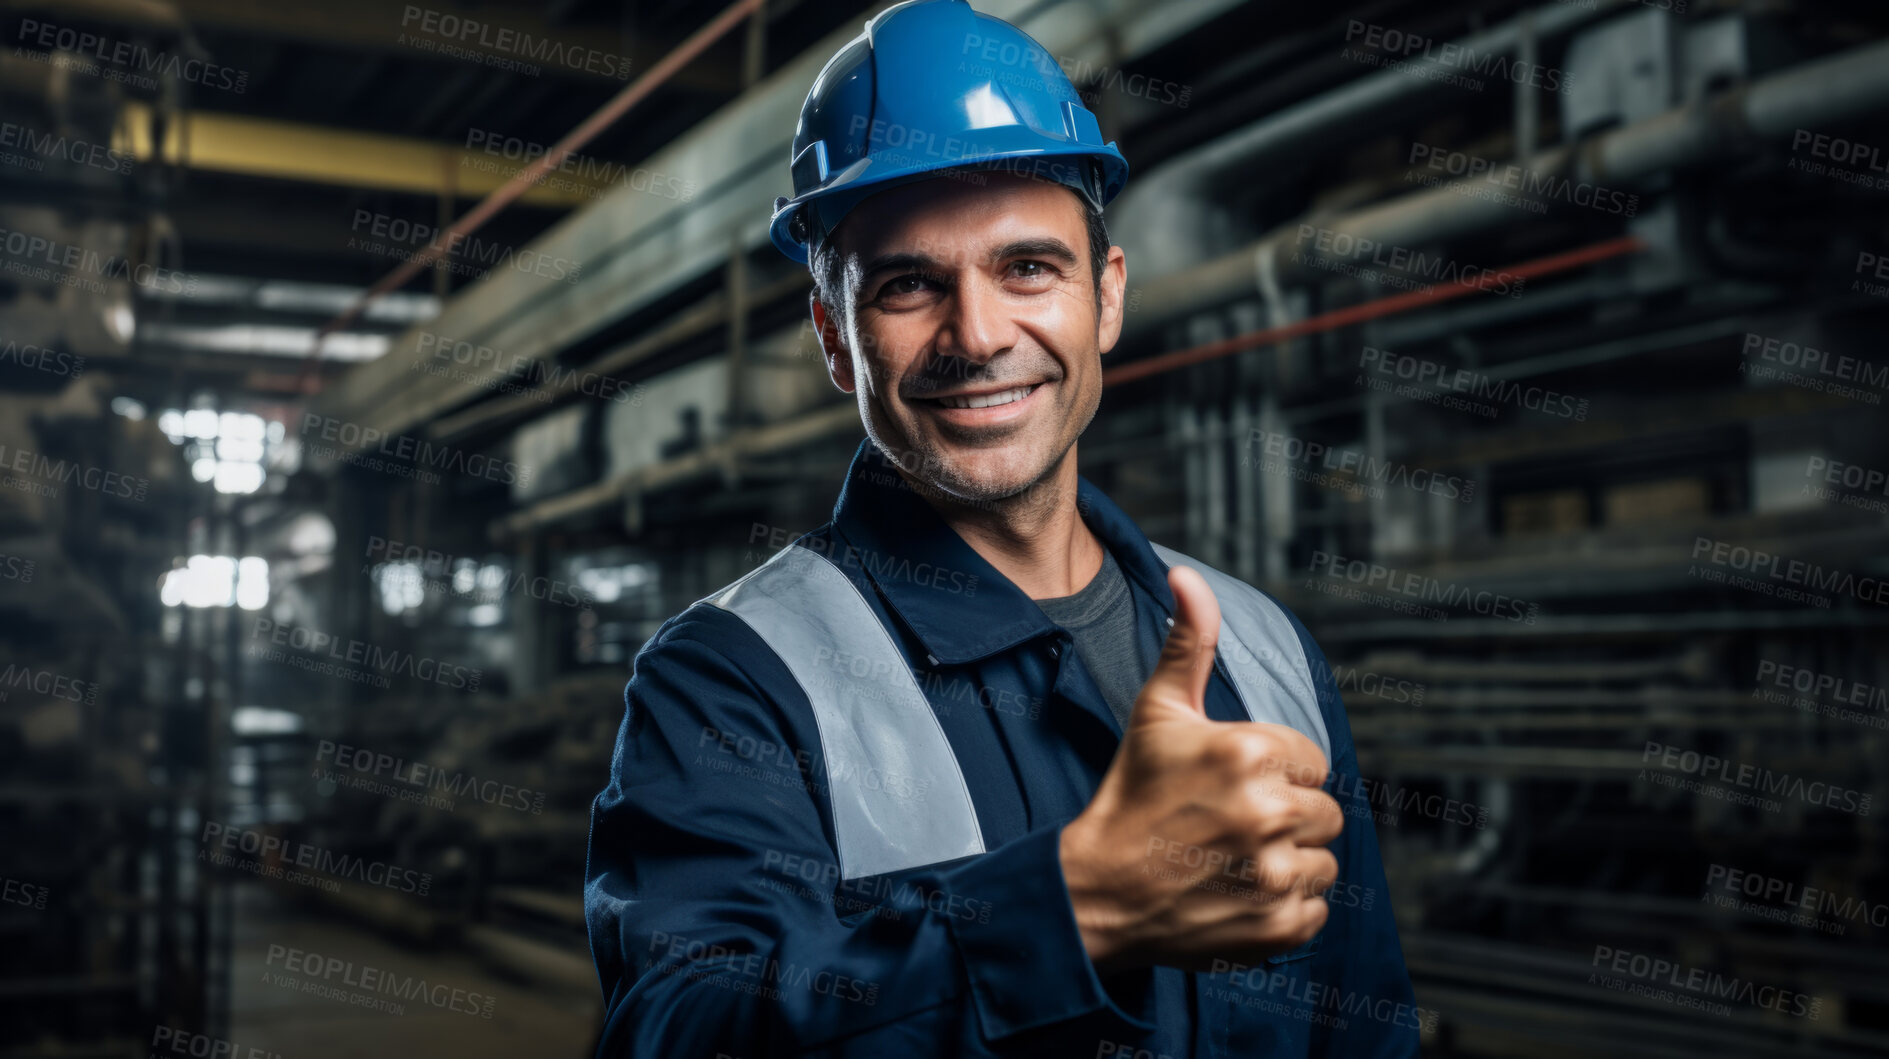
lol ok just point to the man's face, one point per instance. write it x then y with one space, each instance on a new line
964 293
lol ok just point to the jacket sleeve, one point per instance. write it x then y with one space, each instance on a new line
1359 957
718 920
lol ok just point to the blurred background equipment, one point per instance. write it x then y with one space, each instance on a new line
1530 352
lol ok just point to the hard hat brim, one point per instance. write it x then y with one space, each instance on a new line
1096 175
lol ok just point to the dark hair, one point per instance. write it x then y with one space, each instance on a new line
825 262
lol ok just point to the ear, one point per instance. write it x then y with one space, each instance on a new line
1114 288
839 359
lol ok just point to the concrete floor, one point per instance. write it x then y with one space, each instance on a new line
284 1019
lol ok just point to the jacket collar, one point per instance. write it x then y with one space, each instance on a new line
959 605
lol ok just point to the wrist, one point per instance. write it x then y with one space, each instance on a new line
1097 919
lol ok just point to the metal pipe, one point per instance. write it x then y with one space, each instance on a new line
1732 123
525 178
1370 310
1824 91
1164 215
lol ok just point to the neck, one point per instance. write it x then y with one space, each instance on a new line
1035 537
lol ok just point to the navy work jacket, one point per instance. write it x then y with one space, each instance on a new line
718 917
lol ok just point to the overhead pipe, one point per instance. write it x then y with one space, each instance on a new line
1371 310
530 175
1729 124
1732 123
1167 212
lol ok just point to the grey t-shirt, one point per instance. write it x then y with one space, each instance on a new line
1101 619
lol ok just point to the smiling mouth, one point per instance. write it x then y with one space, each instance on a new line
985 400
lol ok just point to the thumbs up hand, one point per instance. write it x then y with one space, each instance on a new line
1177 689
1206 838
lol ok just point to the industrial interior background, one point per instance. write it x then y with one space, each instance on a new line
1524 350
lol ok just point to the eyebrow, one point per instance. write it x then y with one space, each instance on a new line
1047 246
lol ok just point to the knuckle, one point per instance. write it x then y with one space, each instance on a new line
1312 773
1185 643
1224 754
1314 873
1316 913
1268 873
1288 809
1243 752
1178 648
1265 815
1298 755
1276 737
1324 868
1207 639
1321 809
1328 805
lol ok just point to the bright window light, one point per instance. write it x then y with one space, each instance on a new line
607 584
239 450
238 477
241 425
402 586
230 449
264 720
252 582
200 423
217 581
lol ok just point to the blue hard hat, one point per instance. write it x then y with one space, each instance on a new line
931 85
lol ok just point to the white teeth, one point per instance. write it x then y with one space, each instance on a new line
987 400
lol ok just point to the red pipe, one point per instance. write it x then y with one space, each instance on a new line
527 177
1371 310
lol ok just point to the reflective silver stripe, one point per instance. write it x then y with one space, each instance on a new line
899 799
1262 652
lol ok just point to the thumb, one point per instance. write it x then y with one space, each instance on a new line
1180 677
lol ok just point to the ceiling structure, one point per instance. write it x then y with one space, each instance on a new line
284 157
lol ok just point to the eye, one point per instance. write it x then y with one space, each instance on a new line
1032 274
907 288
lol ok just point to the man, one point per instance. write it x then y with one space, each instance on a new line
976 769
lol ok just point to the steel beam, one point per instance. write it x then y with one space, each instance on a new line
231 143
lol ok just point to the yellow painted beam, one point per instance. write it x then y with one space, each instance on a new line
230 143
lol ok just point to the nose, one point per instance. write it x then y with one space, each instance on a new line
980 323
